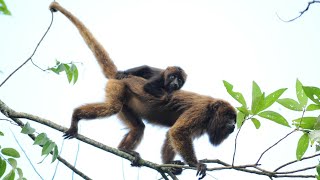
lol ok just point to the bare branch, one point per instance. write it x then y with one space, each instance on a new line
301 13
308 157
275 145
298 170
30 58
235 143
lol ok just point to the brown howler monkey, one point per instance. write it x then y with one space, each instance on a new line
188 114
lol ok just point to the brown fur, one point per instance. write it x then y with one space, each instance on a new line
188 114
107 65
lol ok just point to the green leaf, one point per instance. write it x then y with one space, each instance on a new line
27 129
318 169
313 107
273 97
290 104
55 153
240 119
256 123
256 91
244 110
41 139
3 166
10 176
302 147
75 73
257 98
47 148
313 93
68 72
57 62
275 117
20 173
302 97
305 122
258 104
3 8
13 163
1 133
10 152
314 136
236 95
60 68
317 148
317 124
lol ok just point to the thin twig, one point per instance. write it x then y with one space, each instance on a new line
24 152
301 13
308 157
275 145
30 58
298 170
235 142
10 121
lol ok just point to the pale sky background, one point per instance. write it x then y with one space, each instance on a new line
237 41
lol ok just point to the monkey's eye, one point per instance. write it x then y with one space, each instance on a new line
180 81
171 77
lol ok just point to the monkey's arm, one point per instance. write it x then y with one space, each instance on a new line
144 71
181 135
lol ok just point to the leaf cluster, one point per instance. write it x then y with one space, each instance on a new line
42 139
70 69
259 105
10 156
309 125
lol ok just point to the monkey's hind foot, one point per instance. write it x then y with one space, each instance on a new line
176 170
70 133
201 170
136 161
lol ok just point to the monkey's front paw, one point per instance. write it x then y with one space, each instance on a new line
201 170
176 170
70 133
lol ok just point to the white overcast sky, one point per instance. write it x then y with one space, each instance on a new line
237 41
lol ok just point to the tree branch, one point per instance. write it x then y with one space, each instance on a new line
304 158
10 113
164 169
301 13
62 160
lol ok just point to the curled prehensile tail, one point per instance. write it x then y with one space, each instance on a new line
108 67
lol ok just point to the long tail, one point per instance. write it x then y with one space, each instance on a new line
108 67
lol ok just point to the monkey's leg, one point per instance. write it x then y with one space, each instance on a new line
181 134
113 104
168 155
133 138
